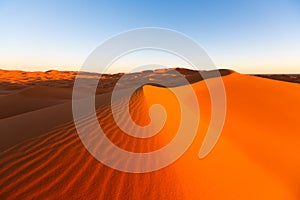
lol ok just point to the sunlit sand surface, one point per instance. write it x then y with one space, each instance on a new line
42 156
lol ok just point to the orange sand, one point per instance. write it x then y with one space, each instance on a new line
256 157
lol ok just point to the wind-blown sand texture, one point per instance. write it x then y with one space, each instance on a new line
42 157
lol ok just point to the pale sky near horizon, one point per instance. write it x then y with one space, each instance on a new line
247 36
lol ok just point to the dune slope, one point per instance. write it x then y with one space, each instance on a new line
256 157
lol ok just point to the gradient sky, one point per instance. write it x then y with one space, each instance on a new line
249 36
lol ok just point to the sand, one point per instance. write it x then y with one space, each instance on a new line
42 157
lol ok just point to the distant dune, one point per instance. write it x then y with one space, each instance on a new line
293 78
42 156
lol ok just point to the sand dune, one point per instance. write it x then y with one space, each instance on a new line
257 156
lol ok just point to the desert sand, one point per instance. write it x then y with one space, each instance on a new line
42 156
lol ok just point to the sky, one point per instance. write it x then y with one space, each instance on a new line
249 36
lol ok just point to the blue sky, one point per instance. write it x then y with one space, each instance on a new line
249 36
